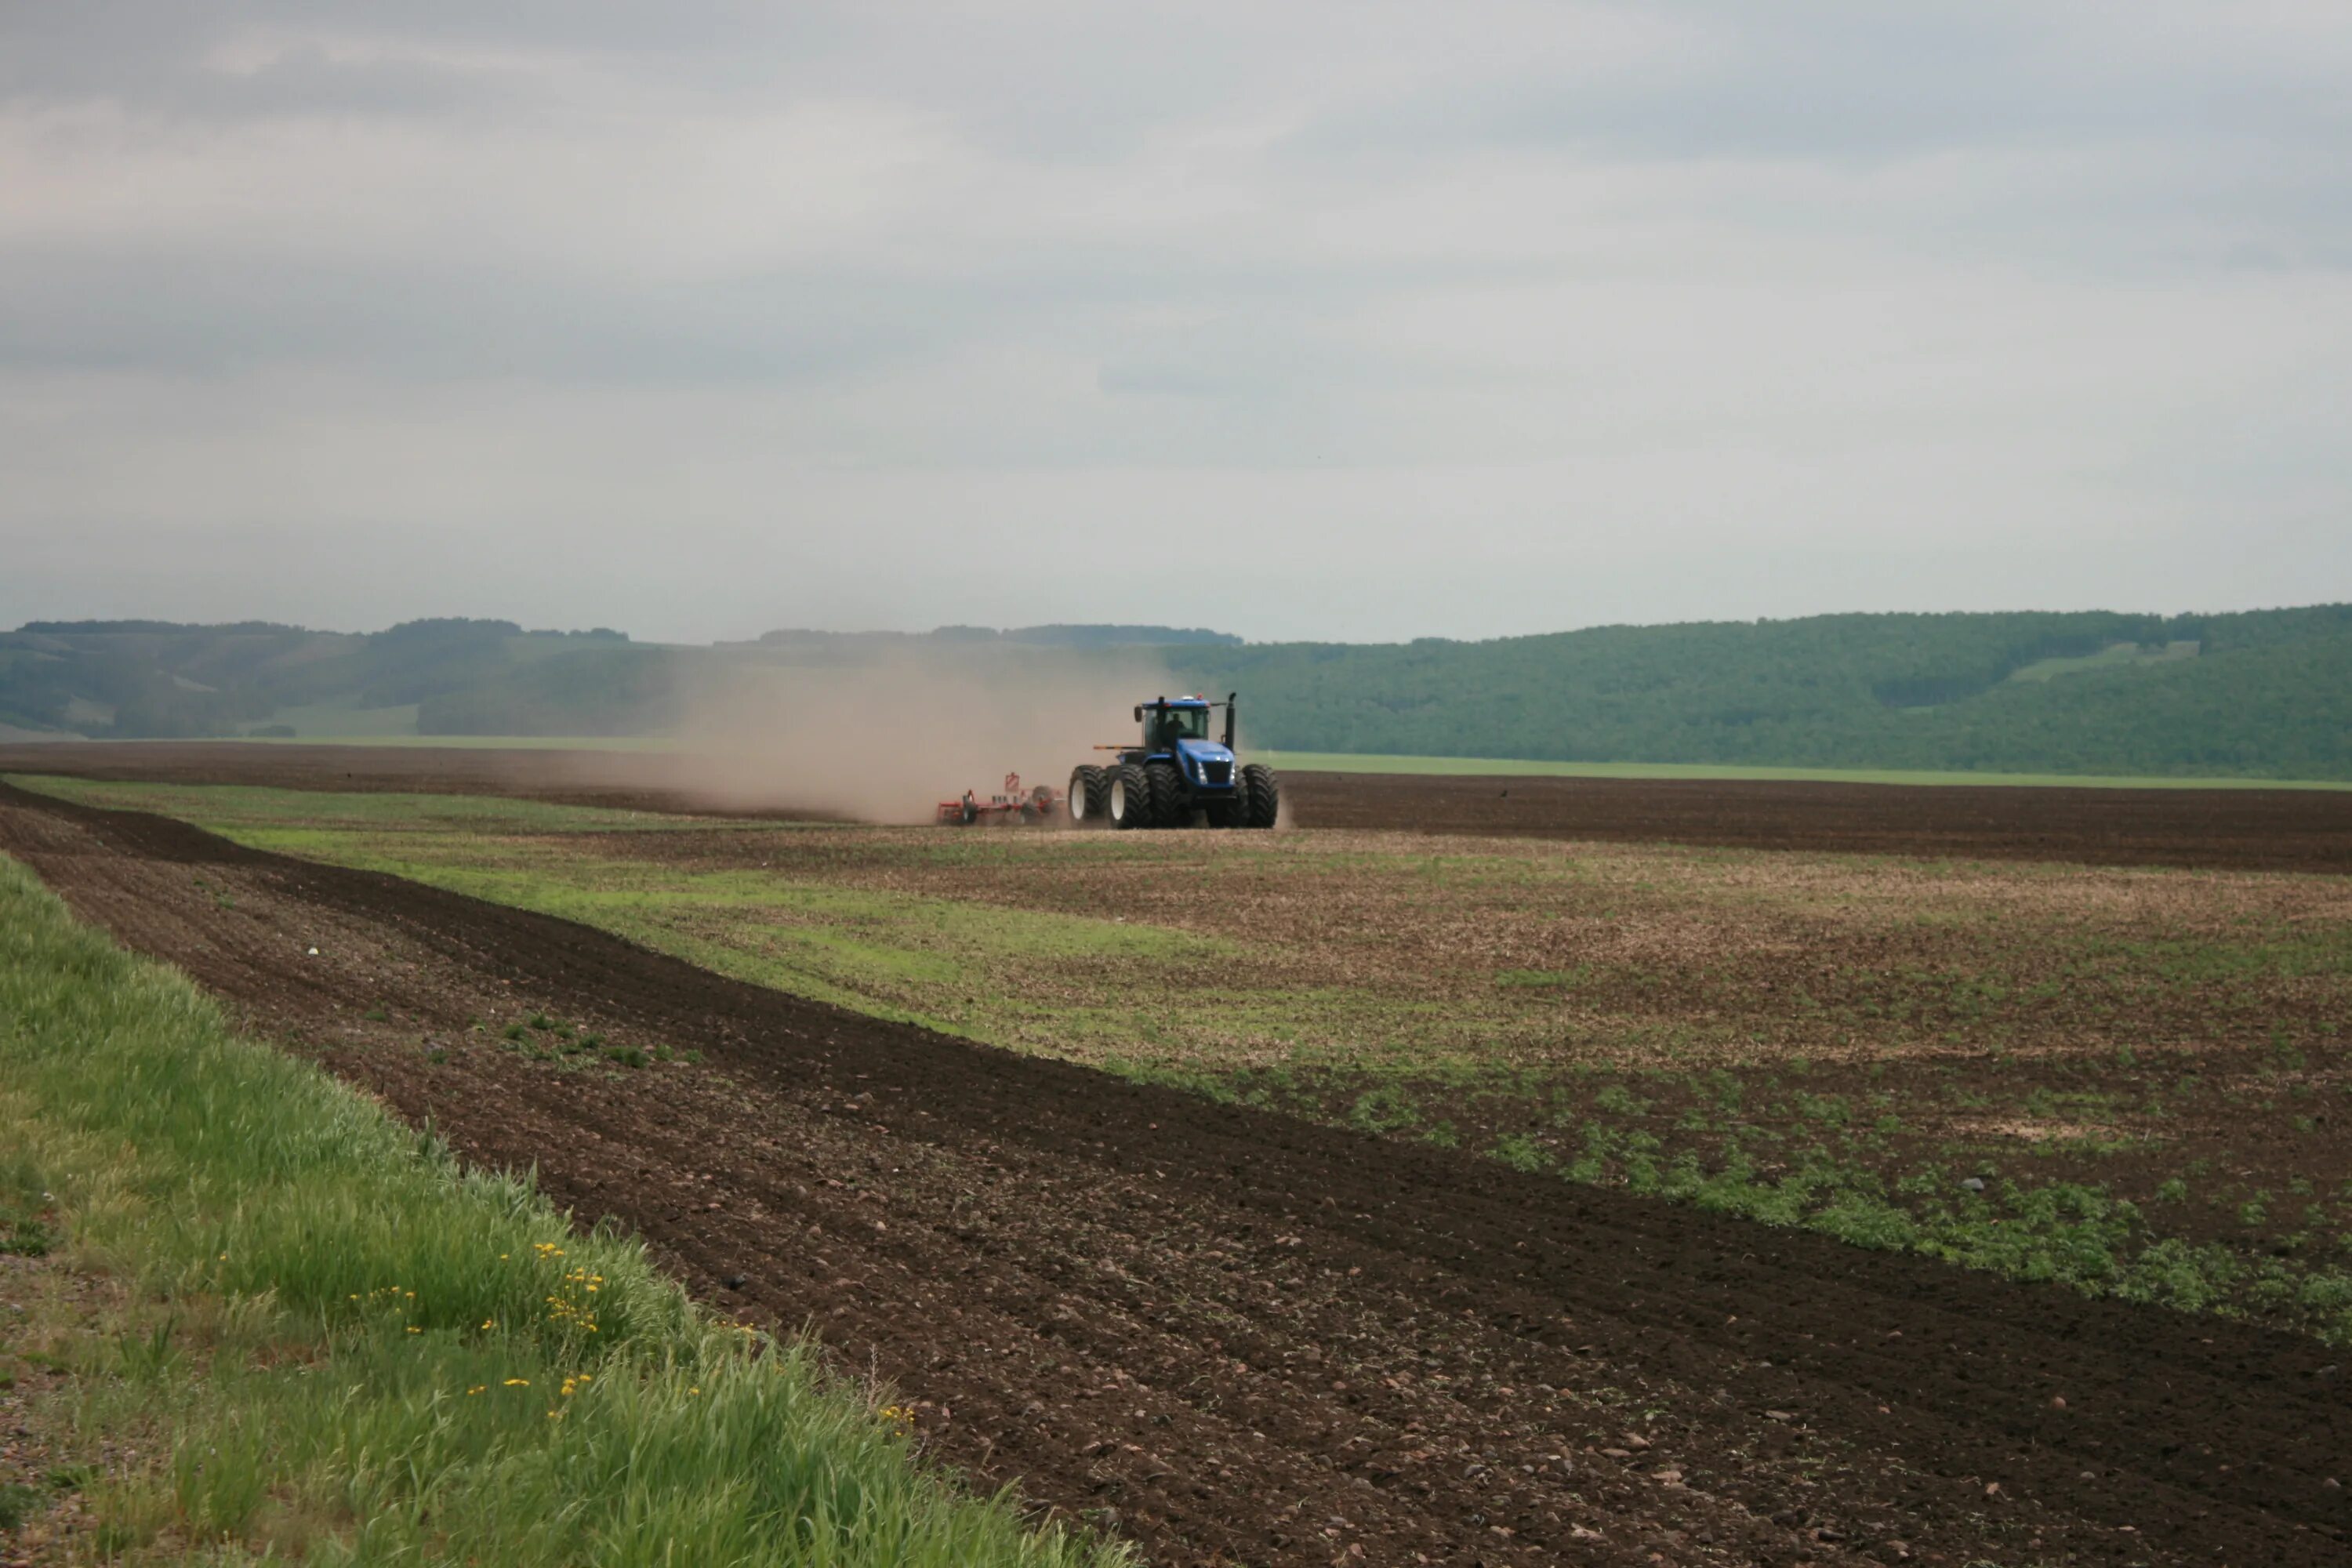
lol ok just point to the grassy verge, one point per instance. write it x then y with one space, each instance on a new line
324 1342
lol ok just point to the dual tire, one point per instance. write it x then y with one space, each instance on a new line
1145 794
1130 804
1261 797
1168 803
1089 796
1133 795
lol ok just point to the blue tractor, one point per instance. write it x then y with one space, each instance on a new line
1176 775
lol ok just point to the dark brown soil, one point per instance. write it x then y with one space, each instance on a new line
642 781
2248 829
2265 829
1236 1336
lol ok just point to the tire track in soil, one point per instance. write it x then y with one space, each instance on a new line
1251 1338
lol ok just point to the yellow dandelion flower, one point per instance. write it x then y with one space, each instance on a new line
518 1383
476 1389
415 1329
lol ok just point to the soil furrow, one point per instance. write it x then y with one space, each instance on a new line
1236 1336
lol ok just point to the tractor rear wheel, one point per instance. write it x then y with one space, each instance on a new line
1260 796
1167 794
1131 798
1089 796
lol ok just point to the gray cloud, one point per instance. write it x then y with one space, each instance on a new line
1493 318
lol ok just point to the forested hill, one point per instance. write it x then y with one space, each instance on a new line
2267 693
161 679
2262 694
141 680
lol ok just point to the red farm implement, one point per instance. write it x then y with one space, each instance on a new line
1013 805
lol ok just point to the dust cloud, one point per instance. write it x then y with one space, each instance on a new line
887 741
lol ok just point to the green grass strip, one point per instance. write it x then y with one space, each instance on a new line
338 1346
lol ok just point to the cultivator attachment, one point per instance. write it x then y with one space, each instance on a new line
1010 805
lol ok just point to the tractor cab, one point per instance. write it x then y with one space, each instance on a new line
1171 723
1176 732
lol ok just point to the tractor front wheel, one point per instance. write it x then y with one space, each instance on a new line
1131 798
1089 796
1167 794
1260 796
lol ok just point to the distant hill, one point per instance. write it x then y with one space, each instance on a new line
2267 693
161 679
2260 694
147 680
1023 636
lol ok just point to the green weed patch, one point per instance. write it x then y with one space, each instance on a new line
1767 1149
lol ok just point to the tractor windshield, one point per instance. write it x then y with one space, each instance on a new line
1182 724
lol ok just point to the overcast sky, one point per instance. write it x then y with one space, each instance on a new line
1353 321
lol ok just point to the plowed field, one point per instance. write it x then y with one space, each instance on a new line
2292 830
1232 1335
